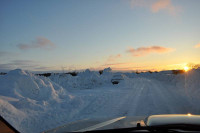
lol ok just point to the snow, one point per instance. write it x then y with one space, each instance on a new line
35 103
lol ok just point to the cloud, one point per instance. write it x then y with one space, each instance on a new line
122 66
40 42
156 5
5 53
131 68
125 67
197 46
114 64
19 64
23 64
143 51
112 58
164 5
193 65
43 68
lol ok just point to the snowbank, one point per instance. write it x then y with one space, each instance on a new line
21 84
84 80
32 95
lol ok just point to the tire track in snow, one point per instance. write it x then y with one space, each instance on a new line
142 97
157 98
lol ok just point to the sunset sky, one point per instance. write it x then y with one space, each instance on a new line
50 35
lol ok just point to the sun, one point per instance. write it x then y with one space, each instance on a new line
186 68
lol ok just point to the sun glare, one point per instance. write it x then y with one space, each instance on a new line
186 68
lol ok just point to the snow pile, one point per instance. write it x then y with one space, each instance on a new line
20 84
84 80
89 79
25 98
65 80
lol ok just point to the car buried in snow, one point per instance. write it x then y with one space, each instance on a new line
116 79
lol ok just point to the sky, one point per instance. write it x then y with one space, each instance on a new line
126 35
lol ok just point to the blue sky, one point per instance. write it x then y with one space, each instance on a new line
76 34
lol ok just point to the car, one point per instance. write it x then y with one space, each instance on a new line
153 123
117 78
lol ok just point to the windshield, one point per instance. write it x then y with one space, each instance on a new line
66 61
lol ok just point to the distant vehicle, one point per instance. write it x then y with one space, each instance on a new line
116 79
153 123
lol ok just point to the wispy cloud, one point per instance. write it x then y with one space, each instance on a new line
4 55
114 64
39 42
157 5
193 65
197 46
126 66
164 5
131 68
43 68
112 58
23 64
143 51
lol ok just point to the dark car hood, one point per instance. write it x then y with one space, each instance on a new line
98 124
169 121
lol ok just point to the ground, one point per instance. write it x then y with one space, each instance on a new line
35 104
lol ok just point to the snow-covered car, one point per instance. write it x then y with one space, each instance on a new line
117 78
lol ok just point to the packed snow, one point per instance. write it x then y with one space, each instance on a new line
33 103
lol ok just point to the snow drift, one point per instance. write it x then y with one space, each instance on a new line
21 84
23 95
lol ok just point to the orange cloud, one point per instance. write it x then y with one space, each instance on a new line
197 46
142 51
112 58
156 6
164 5
40 42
